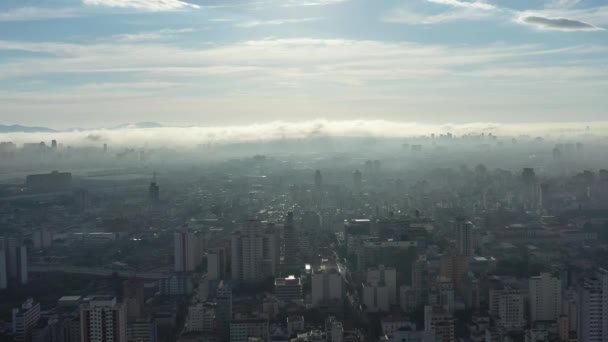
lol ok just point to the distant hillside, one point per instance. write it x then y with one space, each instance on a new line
23 129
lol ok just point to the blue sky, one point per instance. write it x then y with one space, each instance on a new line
91 63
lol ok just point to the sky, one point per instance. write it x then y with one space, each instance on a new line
98 63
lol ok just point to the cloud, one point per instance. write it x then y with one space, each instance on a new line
38 13
298 3
145 5
188 137
557 24
404 16
452 10
148 36
276 22
466 4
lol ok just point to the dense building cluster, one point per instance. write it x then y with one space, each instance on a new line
422 242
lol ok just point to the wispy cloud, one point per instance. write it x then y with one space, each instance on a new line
453 10
146 5
276 22
557 24
38 13
466 4
148 36
296 3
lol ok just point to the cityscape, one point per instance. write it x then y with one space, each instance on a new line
442 238
303 171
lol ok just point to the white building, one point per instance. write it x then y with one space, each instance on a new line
507 307
545 297
387 276
255 252
188 250
327 284
103 319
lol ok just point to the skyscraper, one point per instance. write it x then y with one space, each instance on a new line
133 298
318 180
255 252
24 320
357 181
14 261
153 190
593 308
464 236
545 297
188 250
290 247
103 319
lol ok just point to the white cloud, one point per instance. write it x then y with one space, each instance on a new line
149 36
480 5
276 22
297 3
38 13
146 5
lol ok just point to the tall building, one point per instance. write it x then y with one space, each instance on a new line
592 307
223 310
103 319
318 180
188 250
13 262
376 297
3 272
464 237
327 285
357 182
420 280
388 277
54 145
216 263
288 289
25 319
507 307
290 246
545 294
440 322
133 298
255 252
154 190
